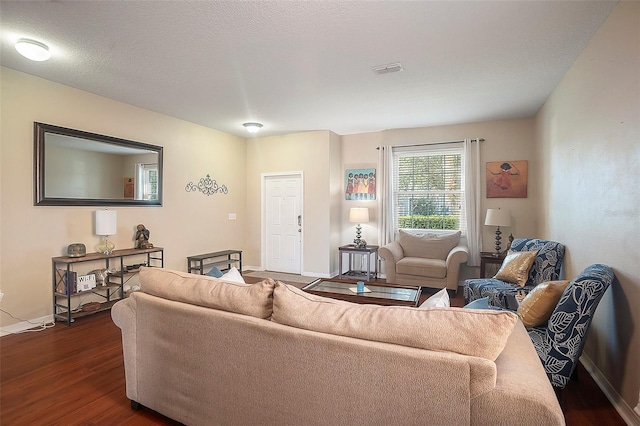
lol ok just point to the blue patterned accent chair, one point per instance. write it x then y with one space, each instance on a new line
546 267
559 343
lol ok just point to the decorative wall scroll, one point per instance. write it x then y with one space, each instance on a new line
207 186
507 179
360 184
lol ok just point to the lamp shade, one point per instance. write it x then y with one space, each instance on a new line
497 217
106 222
359 215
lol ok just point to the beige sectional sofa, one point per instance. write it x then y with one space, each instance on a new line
204 351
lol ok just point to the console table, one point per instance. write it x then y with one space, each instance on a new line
65 279
224 258
371 254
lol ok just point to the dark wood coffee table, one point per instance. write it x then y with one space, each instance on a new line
378 294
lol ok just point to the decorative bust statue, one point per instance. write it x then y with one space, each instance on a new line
142 238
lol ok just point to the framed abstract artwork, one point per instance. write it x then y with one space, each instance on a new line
360 184
507 179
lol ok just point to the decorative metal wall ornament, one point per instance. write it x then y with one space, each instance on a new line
207 186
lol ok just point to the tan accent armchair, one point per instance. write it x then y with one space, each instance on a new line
426 260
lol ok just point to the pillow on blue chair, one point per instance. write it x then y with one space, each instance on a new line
482 303
214 272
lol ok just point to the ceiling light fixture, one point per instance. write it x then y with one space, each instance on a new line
252 127
33 50
387 68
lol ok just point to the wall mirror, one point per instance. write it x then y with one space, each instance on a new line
77 168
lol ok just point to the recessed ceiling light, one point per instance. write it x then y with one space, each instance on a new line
33 50
252 127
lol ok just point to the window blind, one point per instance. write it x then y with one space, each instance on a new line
429 187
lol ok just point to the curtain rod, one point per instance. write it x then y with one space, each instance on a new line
435 143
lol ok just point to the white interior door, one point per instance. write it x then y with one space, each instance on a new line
283 223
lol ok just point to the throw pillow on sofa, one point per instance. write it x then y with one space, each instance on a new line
537 307
439 329
214 272
233 275
482 303
438 300
516 266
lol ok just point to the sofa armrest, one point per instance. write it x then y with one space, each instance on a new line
458 255
123 314
391 253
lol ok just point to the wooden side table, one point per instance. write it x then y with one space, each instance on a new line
490 258
365 251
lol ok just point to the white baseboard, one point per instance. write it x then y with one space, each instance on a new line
252 268
629 415
24 325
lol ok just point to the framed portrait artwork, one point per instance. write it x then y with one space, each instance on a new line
507 179
360 184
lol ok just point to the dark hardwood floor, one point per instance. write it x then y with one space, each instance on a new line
75 376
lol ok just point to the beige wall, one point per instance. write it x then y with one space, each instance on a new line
588 134
188 223
504 140
310 153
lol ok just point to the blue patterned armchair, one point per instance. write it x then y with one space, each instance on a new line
546 267
559 343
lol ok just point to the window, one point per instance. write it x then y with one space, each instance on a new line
148 176
428 188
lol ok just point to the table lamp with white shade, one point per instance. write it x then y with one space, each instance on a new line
106 225
359 215
498 218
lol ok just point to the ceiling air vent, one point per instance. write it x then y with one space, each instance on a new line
387 68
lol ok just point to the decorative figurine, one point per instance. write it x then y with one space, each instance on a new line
142 238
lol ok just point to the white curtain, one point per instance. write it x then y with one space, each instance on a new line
384 178
473 198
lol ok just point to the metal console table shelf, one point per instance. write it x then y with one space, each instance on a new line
113 288
370 252
225 258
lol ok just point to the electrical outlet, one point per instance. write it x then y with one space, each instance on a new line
1 295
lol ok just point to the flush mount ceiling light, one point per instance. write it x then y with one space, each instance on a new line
252 127
33 50
387 68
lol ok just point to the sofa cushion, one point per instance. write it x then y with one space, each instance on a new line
422 267
255 300
537 307
433 246
515 267
456 330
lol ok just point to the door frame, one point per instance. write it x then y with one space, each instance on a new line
263 215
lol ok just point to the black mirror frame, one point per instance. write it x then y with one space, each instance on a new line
40 199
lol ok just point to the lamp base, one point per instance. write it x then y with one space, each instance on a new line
106 246
498 238
359 243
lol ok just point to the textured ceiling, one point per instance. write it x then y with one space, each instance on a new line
297 66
